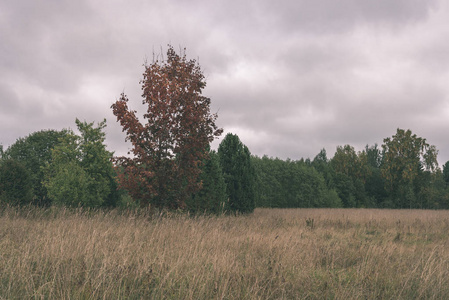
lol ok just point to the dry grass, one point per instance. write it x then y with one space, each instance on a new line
272 254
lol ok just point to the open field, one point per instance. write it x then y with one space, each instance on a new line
272 254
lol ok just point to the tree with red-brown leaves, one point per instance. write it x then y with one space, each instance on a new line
169 148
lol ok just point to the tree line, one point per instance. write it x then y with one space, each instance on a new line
171 166
52 167
62 168
402 173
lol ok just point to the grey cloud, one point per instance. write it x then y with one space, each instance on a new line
9 101
336 16
290 77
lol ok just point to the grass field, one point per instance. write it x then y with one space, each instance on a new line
271 254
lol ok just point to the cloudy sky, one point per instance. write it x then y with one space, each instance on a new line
289 77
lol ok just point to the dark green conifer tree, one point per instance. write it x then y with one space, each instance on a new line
239 175
211 198
446 172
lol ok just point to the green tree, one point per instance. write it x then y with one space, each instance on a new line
446 172
15 183
310 189
239 174
352 170
211 198
34 151
405 158
169 148
374 185
69 185
346 190
291 184
97 162
373 156
268 185
347 161
431 190
322 164
80 172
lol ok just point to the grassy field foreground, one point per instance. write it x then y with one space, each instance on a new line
271 254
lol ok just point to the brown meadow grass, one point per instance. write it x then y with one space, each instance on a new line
271 254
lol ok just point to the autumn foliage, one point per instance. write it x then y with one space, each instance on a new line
169 148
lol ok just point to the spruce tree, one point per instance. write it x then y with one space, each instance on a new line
211 198
239 174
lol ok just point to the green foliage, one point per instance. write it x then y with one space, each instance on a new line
373 156
69 185
446 172
80 172
289 184
239 174
374 187
351 171
268 184
97 162
311 188
64 168
357 179
345 189
374 184
34 151
322 164
331 199
405 158
350 163
15 183
211 198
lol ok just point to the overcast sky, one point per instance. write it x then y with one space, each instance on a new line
288 77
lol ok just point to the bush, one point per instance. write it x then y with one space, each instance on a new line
15 183
34 152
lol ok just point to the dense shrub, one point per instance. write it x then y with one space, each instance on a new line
15 183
